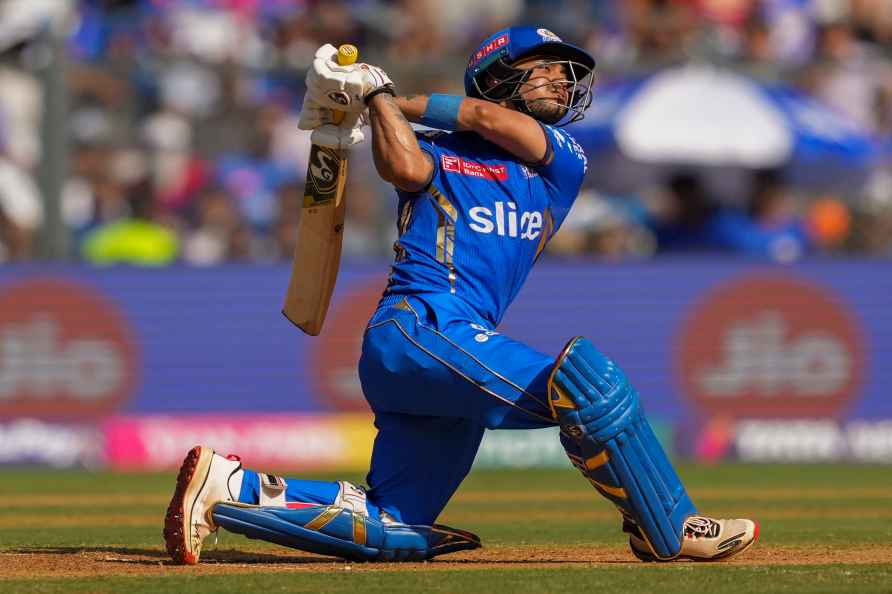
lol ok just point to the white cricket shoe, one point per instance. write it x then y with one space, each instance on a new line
705 539
205 478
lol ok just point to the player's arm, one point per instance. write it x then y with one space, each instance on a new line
398 157
516 132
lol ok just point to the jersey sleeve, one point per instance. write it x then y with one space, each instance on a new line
562 169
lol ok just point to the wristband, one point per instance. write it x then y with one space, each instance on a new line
442 111
382 89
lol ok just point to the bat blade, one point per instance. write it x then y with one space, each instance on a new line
317 255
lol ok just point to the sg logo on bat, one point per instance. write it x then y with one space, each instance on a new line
325 165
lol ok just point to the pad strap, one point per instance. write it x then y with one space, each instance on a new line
610 441
352 498
272 490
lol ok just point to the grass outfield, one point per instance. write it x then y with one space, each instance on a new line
824 529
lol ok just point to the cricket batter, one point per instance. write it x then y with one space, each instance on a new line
479 198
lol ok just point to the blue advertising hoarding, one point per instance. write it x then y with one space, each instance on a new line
717 348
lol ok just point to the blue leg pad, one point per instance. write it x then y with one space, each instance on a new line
607 437
335 531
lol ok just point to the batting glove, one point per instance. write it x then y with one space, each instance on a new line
376 81
343 87
319 119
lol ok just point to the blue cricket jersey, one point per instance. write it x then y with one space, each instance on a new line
478 228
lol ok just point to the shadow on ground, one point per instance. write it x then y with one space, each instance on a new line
142 556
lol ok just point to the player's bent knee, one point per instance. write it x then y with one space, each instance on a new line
609 440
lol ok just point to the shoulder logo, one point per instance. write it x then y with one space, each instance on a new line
527 172
547 35
563 140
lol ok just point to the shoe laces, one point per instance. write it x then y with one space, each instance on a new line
700 527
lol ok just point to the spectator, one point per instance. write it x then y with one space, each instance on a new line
603 228
688 219
217 232
21 212
683 215
851 76
136 239
201 97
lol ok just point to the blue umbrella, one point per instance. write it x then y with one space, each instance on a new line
706 117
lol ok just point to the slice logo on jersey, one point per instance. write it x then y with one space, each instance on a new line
505 220
770 346
65 351
496 44
548 36
454 164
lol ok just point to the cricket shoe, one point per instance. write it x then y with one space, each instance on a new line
205 478
704 539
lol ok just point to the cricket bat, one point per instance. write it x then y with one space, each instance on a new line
317 255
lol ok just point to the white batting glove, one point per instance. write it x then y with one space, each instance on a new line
344 136
342 87
313 115
376 80
325 133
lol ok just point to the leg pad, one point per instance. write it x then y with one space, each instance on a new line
339 532
610 441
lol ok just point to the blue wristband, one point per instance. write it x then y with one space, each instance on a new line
442 111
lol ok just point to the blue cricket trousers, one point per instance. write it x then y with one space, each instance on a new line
436 376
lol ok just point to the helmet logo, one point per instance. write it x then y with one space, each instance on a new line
488 48
547 35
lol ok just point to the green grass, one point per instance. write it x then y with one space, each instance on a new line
743 580
840 511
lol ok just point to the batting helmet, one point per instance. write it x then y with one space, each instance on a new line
491 76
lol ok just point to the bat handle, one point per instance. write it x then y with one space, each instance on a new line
347 54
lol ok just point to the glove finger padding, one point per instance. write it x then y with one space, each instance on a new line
342 136
313 115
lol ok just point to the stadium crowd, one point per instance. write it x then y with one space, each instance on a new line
184 146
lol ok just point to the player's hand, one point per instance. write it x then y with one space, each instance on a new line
320 120
339 87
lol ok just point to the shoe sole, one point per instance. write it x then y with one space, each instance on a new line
733 552
191 479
